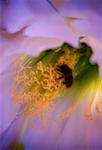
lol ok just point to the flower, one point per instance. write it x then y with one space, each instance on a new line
46 26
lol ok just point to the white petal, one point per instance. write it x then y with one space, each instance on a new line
17 15
8 108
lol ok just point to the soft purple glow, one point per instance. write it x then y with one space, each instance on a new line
30 26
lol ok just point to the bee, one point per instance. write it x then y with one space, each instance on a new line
66 75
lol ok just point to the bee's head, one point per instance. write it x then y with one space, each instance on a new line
64 69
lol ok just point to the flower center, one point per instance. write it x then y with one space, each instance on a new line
39 85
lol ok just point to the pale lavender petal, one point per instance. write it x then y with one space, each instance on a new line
8 108
17 15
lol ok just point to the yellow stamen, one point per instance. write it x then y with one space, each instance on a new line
37 86
68 59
